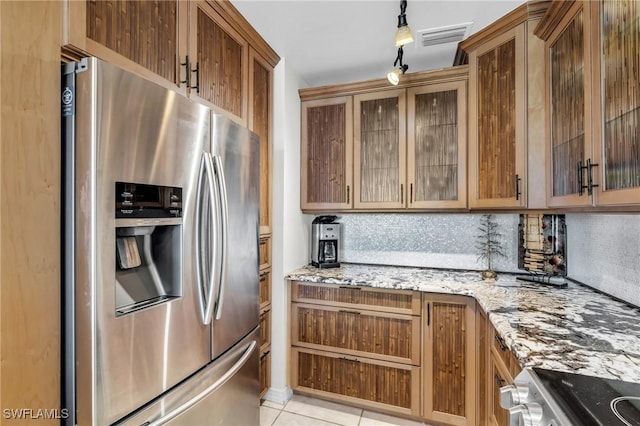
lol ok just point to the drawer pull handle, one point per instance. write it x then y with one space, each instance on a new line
349 287
344 311
499 381
350 359
503 347
264 355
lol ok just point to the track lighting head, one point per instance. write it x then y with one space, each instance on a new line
394 75
403 33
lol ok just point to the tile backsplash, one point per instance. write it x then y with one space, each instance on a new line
603 251
424 240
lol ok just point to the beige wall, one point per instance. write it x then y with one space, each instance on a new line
29 209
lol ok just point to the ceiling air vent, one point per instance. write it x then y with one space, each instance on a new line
441 35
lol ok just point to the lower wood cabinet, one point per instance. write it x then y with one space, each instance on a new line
358 345
370 383
449 367
482 355
498 377
504 367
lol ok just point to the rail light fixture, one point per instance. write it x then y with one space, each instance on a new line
403 36
403 33
398 68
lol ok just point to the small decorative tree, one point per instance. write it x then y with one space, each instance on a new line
488 244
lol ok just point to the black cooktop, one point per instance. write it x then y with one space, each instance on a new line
588 400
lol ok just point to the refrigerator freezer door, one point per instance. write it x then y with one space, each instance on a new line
131 130
236 152
225 393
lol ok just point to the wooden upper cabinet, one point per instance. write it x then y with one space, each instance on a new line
593 102
498 108
142 36
449 359
436 145
197 48
568 132
218 57
406 146
260 119
326 154
616 101
379 149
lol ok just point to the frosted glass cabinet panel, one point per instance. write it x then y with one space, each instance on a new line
379 149
571 142
617 112
436 143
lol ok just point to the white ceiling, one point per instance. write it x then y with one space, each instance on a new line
341 41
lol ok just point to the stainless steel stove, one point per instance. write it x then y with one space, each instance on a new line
541 397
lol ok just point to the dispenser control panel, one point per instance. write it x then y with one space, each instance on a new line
135 200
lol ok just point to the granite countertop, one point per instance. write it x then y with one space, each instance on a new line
574 329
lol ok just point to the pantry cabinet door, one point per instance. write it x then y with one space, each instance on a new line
379 159
436 145
326 150
616 101
218 57
140 36
498 107
260 119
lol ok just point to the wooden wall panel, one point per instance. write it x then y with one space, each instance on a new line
497 122
30 183
449 360
567 107
143 31
220 62
326 154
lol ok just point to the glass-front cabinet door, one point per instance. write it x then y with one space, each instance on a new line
436 144
379 150
569 134
616 69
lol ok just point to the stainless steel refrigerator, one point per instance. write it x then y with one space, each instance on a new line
161 198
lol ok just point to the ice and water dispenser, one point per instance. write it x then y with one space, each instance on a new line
148 239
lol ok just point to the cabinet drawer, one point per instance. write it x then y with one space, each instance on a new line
388 336
265 288
264 252
265 372
364 382
504 354
353 297
265 328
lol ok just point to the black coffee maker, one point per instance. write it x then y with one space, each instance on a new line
325 242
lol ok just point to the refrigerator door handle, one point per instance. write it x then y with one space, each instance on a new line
205 292
224 208
209 390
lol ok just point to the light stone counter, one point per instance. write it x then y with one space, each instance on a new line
573 329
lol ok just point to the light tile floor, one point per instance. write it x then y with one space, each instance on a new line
305 411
